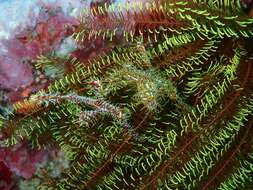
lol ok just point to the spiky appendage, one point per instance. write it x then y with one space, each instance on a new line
179 73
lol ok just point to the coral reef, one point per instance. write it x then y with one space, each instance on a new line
141 95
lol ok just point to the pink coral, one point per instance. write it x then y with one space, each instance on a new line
14 74
51 28
5 177
21 160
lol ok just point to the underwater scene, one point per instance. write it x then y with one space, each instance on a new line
126 94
